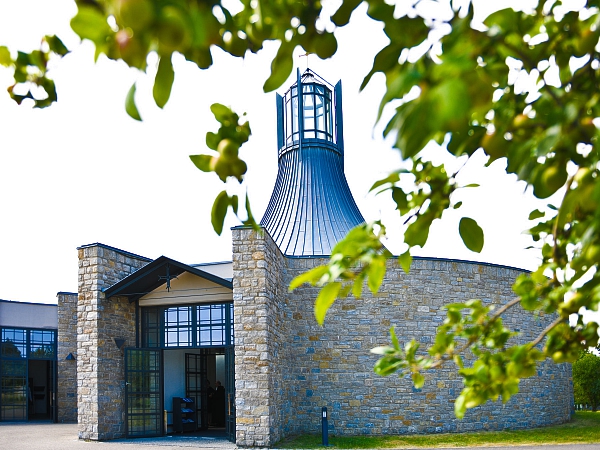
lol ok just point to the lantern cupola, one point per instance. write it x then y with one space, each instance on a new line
311 207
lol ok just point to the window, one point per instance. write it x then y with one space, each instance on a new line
14 343
178 327
206 325
41 344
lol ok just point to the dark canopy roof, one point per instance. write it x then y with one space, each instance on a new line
154 275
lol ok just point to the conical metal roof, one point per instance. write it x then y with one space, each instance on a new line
311 207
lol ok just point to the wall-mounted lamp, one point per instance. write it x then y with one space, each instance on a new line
70 357
119 343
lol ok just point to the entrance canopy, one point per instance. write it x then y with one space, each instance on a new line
159 272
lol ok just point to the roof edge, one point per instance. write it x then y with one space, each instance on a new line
117 288
427 258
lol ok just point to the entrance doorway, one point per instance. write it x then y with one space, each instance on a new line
41 393
204 376
173 387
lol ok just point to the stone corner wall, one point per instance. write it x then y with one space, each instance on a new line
66 394
258 294
100 365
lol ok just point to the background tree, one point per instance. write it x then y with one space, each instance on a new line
586 379
522 85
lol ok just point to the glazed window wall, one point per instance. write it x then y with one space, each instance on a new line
18 345
23 343
209 325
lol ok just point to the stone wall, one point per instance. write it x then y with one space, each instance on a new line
259 335
100 371
333 366
288 368
66 394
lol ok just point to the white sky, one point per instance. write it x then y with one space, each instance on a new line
82 171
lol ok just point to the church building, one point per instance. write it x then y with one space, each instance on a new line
141 345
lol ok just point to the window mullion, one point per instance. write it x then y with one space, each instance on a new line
195 326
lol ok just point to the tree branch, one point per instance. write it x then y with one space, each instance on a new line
547 330
504 308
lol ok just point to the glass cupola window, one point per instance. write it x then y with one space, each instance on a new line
310 116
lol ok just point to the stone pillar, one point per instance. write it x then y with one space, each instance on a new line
100 369
258 307
66 394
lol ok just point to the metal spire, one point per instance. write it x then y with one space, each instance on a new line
311 207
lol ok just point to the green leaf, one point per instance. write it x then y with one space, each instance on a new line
376 272
405 260
358 285
56 45
383 350
399 196
202 162
221 112
219 211
418 231
471 234
460 406
505 19
394 338
313 276
5 58
90 24
536 214
281 68
212 140
384 60
324 45
392 178
325 299
233 202
163 82
342 15
418 380
388 365
130 104
458 361
250 221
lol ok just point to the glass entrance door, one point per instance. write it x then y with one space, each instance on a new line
230 393
143 392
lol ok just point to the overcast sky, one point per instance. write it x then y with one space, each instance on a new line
82 171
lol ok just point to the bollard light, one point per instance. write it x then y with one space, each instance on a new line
324 428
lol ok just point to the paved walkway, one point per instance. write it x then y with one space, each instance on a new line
56 436
49 436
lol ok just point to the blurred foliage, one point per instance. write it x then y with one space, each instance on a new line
586 379
523 86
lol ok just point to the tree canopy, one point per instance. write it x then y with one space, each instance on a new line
586 379
522 85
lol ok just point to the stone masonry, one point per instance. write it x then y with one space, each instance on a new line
259 330
66 394
100 369
288 368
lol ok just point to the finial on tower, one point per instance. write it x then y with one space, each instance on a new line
307 54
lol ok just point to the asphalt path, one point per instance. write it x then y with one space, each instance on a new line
50 436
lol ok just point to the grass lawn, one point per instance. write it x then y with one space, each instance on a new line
583 429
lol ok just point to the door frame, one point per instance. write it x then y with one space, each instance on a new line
230 416
158 371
